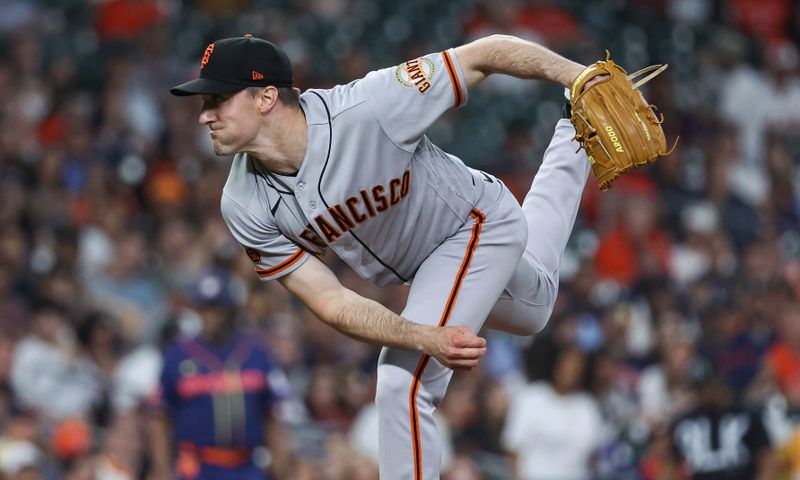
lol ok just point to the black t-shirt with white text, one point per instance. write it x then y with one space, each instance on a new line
720 445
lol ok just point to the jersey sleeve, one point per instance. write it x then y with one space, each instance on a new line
273 254
408 98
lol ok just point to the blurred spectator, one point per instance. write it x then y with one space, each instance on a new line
783 359
635 246
755 101
766 19
217 397
17 456
789 456
540 20
126 286
121 456
664 388
137 373
705 250
535 434
721 440
124 19
48 365
738 216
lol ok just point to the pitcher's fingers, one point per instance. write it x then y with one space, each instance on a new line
472 341
463 364
467 353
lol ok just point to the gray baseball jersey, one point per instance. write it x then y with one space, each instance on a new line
371 186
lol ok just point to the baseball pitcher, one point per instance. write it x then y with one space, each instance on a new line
350 169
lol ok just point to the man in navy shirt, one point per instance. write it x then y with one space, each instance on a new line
720 440
216 396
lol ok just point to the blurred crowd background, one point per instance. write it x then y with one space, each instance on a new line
679 288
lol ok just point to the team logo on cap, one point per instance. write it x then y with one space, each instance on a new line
206 56
417 73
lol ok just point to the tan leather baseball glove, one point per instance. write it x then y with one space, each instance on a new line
613 122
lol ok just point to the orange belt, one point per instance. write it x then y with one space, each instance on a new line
224 457
218 456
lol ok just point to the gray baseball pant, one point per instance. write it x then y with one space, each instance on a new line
504 260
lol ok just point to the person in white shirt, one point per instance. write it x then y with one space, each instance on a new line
47 365
553 426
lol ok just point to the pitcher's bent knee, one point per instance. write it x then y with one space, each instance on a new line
517 317
538 315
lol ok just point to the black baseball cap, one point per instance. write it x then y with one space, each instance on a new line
232 64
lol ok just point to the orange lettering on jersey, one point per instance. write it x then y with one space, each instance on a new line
414 70
380 199
416 75
368 203
351 205
394 193
341 218
348 215
206 56
330 233
310 235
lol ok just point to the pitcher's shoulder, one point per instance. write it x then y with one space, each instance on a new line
241 200
242 180
319 104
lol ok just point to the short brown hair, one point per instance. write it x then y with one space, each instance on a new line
288 96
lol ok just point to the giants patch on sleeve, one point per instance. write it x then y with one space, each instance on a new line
417 73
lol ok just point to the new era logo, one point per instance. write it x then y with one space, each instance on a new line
257 76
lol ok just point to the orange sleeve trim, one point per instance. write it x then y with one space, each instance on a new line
283 265
451 69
